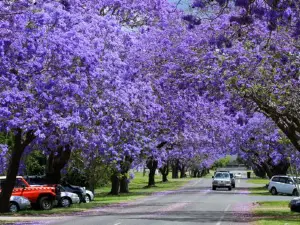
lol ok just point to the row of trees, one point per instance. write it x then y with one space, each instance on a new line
144 81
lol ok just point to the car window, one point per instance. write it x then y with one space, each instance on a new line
275 179
222 175
19 183
282 179
2 182
289 181
231 175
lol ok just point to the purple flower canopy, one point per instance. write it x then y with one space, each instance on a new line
120 82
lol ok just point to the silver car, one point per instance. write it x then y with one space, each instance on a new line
68 198
18 203
221 180
89 196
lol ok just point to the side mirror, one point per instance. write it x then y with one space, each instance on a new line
23 186
212 177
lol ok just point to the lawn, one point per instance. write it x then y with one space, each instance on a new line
275 213
258 181
262 190
136 187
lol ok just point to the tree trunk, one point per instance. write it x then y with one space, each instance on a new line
13 168
182 171
175 169
56 162
164 172
195 173
124 184
152 166
115 184
125 167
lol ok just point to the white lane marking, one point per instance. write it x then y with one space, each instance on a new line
117 223
196 183
226 209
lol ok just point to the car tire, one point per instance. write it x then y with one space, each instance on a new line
87 199
45 203
274 191
65 202
295 192
229 189
13 207
214 188
233 186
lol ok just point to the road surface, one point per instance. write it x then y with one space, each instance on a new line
194 204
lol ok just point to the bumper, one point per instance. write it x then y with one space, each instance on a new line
222 185
75 200
25 206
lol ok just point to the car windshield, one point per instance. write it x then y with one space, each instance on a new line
222 175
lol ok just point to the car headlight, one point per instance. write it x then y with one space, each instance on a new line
25 201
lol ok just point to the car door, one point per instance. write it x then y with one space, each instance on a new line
290 186
282 185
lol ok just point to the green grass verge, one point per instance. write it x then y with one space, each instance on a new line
262 190
258 181
136 187
275 213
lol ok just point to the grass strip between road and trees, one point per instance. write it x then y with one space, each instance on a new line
137 189
275 213
260 190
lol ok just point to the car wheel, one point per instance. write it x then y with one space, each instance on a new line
65 202
233 186
273 191
214 188
87 199
45 203
295 192
229 189
13 207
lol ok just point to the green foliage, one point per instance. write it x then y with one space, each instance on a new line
223 162
35 163
90 173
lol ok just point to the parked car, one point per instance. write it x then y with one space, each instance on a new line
67 198
18 203
64 198
283 184
80 191
66 187
294 204
221 180
43 197
89 196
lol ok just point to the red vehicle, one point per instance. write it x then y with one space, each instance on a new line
41 196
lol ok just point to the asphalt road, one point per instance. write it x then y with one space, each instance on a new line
194 204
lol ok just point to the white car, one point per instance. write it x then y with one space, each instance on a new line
283 184
18 203
89 196
221 180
